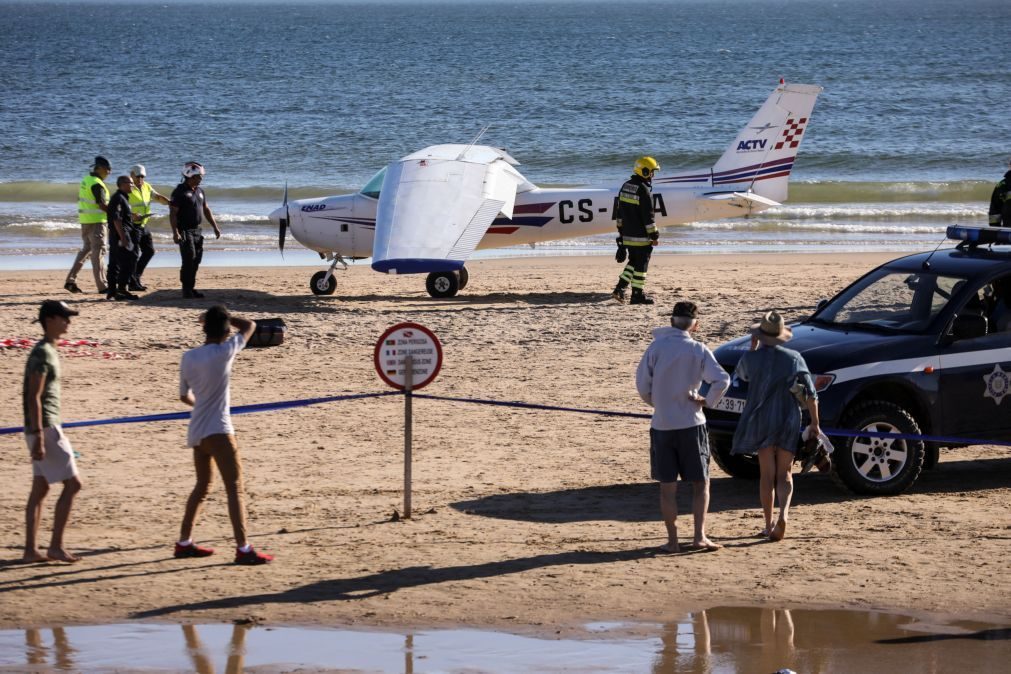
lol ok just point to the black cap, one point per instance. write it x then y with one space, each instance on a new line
102 162
55 308
685 310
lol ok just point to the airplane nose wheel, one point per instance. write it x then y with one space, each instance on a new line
443 284
321 284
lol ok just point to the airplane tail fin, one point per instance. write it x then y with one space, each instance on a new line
761 157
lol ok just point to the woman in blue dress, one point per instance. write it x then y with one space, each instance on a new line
779 384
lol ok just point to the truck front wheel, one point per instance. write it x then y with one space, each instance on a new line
734 465
881 466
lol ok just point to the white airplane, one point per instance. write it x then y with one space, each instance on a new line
426 213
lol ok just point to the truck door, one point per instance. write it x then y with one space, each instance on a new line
975 381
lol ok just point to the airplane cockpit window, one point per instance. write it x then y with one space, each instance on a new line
373 187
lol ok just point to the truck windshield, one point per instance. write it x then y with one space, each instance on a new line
373 186
899 301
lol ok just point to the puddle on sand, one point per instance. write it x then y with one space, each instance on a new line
713 641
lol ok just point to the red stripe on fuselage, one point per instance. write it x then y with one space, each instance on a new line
532 208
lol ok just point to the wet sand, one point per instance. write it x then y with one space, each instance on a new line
523 519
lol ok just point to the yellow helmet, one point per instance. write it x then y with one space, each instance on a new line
645 167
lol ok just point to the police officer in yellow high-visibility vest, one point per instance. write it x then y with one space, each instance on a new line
140 202
92 202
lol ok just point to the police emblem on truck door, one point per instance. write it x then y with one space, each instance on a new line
998 384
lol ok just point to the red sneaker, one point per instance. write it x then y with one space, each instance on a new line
252 558
191 550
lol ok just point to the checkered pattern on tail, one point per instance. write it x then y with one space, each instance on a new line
792 132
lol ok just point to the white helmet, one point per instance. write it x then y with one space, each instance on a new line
191 169
138 170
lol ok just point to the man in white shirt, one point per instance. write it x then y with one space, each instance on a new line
668 379
204 377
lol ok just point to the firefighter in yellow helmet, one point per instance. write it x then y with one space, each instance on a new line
637 232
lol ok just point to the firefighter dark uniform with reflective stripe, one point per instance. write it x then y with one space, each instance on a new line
637 233
1000 202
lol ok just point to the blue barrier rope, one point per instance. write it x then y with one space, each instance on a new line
289 404
534 406
832 432
240 409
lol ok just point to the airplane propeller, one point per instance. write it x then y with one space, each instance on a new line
283 228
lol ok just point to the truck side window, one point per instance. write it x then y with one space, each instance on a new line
999 310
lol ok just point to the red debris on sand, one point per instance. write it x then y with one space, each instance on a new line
78 348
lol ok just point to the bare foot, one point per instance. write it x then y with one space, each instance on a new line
61 555
670 548
33 557
779 531
706 545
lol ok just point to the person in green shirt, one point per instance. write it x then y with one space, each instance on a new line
51 452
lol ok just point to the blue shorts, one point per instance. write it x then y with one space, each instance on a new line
684 452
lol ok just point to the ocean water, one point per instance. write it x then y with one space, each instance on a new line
908 137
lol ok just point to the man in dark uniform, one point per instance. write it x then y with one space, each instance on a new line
124 247
187 210
637 232
1000 201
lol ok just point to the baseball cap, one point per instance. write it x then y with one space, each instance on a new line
685 310
51 308
138 170
102 162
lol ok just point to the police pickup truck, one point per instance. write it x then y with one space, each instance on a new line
919 346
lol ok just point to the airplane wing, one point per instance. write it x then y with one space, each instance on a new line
435 206
749 201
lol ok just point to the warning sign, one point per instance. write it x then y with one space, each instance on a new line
403 340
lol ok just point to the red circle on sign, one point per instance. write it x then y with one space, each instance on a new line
380 343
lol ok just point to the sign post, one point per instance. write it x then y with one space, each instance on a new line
408 431
408 356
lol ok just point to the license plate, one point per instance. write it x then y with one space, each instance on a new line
735 405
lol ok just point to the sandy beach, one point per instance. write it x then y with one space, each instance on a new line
523 519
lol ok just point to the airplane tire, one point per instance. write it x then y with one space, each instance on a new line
442 284
464 277
320 286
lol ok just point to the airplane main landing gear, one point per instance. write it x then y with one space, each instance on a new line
446 283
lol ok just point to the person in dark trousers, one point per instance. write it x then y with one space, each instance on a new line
92 203
637 233
51 452
187 210
1000 201
204 384
124 240
140 202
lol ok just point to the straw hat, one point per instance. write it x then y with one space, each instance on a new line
772 329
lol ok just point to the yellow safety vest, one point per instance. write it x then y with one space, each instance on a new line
88 212
140 203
